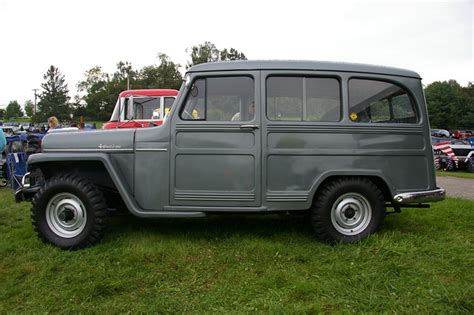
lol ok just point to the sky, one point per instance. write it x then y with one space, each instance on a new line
433 38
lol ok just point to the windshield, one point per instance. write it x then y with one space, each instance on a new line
116 112
145 107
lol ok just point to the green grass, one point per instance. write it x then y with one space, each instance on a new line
461 174
422 262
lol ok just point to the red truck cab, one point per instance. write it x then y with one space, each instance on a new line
141 108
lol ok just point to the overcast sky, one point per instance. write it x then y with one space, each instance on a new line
433 38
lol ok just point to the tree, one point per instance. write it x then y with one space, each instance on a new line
2 113
207 52
164 76
203 53
101 89
232 54
448 105
468 116
29 109
54 99
13 110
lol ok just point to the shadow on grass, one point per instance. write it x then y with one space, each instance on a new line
210 227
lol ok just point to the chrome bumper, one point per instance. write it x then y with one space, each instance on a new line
421 196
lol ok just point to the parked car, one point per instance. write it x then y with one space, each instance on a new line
440 133
462 134
343 142
9 130
452 154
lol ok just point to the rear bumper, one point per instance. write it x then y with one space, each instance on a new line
420 196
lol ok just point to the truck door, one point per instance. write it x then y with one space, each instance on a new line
215 142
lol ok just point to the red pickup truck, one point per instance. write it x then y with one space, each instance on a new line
141 108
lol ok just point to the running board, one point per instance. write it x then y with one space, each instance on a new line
174 214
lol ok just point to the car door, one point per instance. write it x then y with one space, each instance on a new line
215 142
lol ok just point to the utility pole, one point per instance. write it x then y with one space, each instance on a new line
36 95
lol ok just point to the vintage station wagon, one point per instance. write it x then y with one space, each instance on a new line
343 142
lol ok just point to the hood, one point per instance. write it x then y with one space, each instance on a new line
90 141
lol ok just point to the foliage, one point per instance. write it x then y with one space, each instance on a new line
420 263
29 108
2 113
102 89
231 54
165 75
101 93
450 105
13 110
54 99
207 52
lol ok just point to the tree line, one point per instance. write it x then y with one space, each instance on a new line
99 90
450 105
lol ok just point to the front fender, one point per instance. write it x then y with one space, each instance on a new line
36 160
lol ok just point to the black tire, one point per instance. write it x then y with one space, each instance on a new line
69 212
347 210
470 166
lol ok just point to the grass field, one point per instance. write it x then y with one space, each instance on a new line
422 262
461 174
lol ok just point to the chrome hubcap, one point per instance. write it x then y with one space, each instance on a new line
66 215
351 214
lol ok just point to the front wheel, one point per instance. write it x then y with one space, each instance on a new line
69 212
347 210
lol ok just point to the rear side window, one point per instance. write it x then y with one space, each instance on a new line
221 99
372 101
303 99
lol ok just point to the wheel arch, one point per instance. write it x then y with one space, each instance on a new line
375 177
97 168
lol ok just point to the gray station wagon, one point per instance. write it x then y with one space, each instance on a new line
342 142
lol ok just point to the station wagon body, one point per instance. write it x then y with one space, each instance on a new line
342 141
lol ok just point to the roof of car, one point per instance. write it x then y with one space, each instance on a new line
301 65
149 92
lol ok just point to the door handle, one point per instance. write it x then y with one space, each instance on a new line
249 127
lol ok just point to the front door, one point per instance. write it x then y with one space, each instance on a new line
215 145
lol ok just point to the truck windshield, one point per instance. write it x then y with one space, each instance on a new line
143 108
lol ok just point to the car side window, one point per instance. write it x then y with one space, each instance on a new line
220 99
303 99
373 101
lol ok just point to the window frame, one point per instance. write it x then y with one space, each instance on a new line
409 93
304 111
205 77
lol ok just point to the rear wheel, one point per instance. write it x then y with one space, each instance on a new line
347 210
69 212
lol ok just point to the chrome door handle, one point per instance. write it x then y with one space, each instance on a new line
249 127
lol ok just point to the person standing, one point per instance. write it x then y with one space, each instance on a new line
53 123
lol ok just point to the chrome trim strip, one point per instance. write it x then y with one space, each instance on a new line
286 197
24 184
421 196
151 149
88 150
